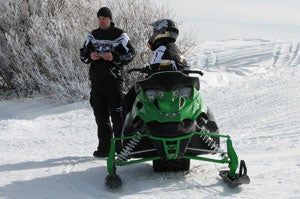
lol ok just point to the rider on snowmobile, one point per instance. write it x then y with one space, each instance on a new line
166 55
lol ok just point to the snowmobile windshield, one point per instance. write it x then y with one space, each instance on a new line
167 81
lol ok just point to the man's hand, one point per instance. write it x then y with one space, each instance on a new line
107 56
95 56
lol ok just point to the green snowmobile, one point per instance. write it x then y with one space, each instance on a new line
169 125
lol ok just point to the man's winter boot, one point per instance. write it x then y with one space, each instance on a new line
100 154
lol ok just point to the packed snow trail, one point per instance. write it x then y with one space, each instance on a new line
252 87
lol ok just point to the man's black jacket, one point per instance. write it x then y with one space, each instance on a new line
113 40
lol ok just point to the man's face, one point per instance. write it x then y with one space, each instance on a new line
104 22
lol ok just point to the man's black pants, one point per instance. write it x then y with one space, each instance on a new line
106 101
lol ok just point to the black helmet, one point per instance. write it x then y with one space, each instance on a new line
163 29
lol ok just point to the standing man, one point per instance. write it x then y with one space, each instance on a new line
106 48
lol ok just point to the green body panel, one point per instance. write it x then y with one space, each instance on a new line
169 109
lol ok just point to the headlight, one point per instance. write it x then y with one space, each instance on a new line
152 94
176 93
185 92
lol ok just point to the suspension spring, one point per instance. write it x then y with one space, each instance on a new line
212 144
125 153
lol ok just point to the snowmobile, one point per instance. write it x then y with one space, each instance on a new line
170 126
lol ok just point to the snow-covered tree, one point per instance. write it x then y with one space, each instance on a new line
40 42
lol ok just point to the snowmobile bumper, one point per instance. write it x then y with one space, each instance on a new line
172 152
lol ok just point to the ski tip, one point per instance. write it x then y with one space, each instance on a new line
234 181
113 181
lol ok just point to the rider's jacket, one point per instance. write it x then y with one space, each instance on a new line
168 57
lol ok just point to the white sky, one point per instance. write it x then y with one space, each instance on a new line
230 19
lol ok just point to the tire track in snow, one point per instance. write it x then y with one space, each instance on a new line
251 52
246 56
287 54
295 60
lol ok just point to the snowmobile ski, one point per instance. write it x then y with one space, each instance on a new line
113 181
239 179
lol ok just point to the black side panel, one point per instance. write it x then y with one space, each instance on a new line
170 129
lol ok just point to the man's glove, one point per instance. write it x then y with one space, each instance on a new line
85 55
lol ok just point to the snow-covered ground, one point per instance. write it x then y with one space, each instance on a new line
253 88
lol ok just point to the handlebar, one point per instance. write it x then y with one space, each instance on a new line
193 71
148 71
